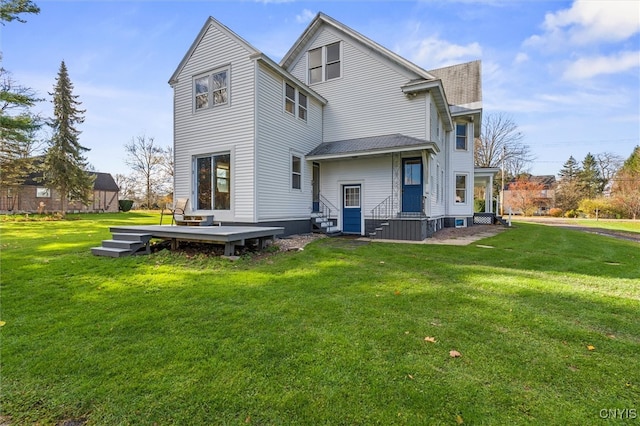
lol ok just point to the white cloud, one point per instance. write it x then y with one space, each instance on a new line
433 52
589 21
585 68
521 58
305 16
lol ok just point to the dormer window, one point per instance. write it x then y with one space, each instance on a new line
325 63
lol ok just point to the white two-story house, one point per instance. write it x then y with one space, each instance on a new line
341 131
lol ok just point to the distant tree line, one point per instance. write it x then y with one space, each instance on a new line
602 184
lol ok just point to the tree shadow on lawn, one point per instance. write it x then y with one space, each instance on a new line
336 317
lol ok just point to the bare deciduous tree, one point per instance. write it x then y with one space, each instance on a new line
500 137
608 164
146 161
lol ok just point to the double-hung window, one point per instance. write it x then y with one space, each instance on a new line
296 172
213 182
461 189
325 63
211 89
295 102
461 137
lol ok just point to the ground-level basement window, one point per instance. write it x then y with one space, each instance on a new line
213 182
461 189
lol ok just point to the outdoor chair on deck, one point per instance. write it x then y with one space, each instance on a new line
180 215
177 209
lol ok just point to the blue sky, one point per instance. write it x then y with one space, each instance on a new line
567 72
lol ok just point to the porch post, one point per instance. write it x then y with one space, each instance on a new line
488 196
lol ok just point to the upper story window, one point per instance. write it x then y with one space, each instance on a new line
461 136
325 63
295 102
211 89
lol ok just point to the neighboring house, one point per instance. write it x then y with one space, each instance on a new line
341 129
34 196
538 197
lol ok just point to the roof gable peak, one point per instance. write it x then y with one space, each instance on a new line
322 19
211 21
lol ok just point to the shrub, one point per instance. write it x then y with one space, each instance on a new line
125 205
571 213
555 212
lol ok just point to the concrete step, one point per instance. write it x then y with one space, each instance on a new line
111 252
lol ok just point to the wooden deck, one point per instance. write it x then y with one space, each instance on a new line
230 236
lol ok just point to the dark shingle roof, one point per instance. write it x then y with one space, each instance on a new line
368 145
462 83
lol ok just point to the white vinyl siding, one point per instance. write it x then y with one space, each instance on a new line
374 174
213 130
366 100
280 136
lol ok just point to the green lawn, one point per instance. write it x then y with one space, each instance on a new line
547 322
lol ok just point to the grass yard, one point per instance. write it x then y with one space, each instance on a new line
546 320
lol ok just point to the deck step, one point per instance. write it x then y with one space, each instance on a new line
131 236
123 244
111 252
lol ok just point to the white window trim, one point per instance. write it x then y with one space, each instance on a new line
466 189
291 172
324 63
42 192
194 182
209 75
466 137
296 102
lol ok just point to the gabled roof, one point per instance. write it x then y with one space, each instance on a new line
102 182
374 145
261 57
322 19
210 22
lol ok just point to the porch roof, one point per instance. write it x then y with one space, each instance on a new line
373 145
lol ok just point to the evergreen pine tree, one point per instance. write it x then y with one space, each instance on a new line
17 129
590 182
568 192
65 166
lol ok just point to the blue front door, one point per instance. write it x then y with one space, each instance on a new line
351 209
412 185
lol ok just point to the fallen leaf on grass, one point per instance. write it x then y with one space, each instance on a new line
455 354
430 339
591 347
2 323
410 376
459 419
397 292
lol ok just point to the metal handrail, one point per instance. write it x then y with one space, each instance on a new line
383 210
325 206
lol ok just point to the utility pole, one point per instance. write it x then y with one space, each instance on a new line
504 153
